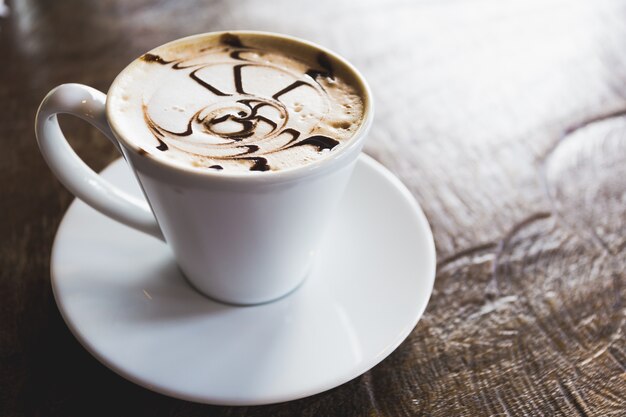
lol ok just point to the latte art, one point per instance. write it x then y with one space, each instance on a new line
236 104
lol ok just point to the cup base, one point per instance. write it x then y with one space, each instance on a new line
231 301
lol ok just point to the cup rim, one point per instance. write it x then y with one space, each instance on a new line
314 168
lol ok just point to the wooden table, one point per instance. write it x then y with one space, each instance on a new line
507 121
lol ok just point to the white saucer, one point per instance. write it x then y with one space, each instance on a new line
125 300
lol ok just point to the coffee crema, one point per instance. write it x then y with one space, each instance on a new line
238 102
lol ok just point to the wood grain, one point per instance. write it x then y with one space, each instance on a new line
507 121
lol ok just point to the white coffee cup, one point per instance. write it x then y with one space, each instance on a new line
242 239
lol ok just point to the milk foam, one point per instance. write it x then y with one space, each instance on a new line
237 104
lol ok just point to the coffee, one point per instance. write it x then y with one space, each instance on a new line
245 102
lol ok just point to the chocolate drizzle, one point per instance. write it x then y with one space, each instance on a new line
162 146
154 58
238 79
290 87
244 110
237 55
156 130
319 141
230 39
204 84
324 62
260 164
251 148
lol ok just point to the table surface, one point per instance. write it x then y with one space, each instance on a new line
506 120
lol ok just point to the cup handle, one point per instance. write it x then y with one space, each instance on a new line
88 104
